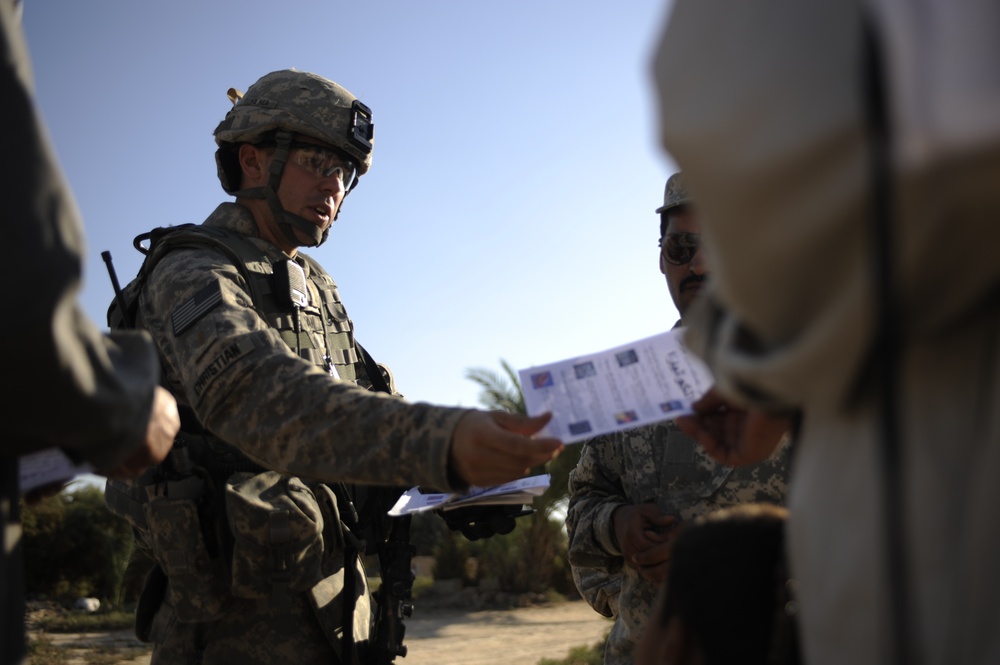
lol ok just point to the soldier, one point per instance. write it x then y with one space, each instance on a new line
632 489
253 532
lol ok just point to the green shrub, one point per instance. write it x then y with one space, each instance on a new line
582 655
531 558
73 546
80 622
421 585
450 556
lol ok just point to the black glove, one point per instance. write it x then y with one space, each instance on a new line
477 522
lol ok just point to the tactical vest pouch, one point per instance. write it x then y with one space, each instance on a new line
277 529
344 575
197 581
328 601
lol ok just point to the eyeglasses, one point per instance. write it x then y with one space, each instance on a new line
325 162
679 248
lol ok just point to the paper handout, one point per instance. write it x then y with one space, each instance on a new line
647 381
47 467
522 490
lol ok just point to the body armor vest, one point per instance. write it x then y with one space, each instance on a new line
319 331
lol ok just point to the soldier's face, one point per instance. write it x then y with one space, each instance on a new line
687 279
310 194
313 193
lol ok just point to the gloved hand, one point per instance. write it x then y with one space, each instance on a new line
477 522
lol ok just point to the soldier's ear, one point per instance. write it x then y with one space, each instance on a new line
253 164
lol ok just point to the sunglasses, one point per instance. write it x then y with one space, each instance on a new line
325 162
679 248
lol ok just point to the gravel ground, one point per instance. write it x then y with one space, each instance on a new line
433 637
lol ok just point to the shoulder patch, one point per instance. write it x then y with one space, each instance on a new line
200 304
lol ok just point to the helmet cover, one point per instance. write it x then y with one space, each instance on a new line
305 104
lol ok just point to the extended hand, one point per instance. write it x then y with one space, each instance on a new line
492 447
164 422
645 535
733 435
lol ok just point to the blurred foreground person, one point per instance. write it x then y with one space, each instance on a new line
256 538
853 150
66 384
728 597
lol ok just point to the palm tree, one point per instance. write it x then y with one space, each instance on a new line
537 560
498 392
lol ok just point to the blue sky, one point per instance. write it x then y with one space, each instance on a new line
509 209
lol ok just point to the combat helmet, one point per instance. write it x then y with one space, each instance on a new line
276 109
674 194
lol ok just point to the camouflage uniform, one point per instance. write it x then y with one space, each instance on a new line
236 372
656 463
276 394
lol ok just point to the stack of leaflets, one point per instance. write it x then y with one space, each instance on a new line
520 491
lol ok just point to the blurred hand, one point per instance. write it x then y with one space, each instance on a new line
164 422
645 535
733 435
493 447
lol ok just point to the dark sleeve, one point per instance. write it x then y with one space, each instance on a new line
68 385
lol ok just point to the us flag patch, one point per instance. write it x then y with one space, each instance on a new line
203 302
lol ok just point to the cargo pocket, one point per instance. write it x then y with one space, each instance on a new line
344 587
197 582
277 531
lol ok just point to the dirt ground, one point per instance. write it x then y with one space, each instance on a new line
433 637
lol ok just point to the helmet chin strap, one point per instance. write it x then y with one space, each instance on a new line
287 221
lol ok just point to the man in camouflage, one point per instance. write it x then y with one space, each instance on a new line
252 529
632 489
